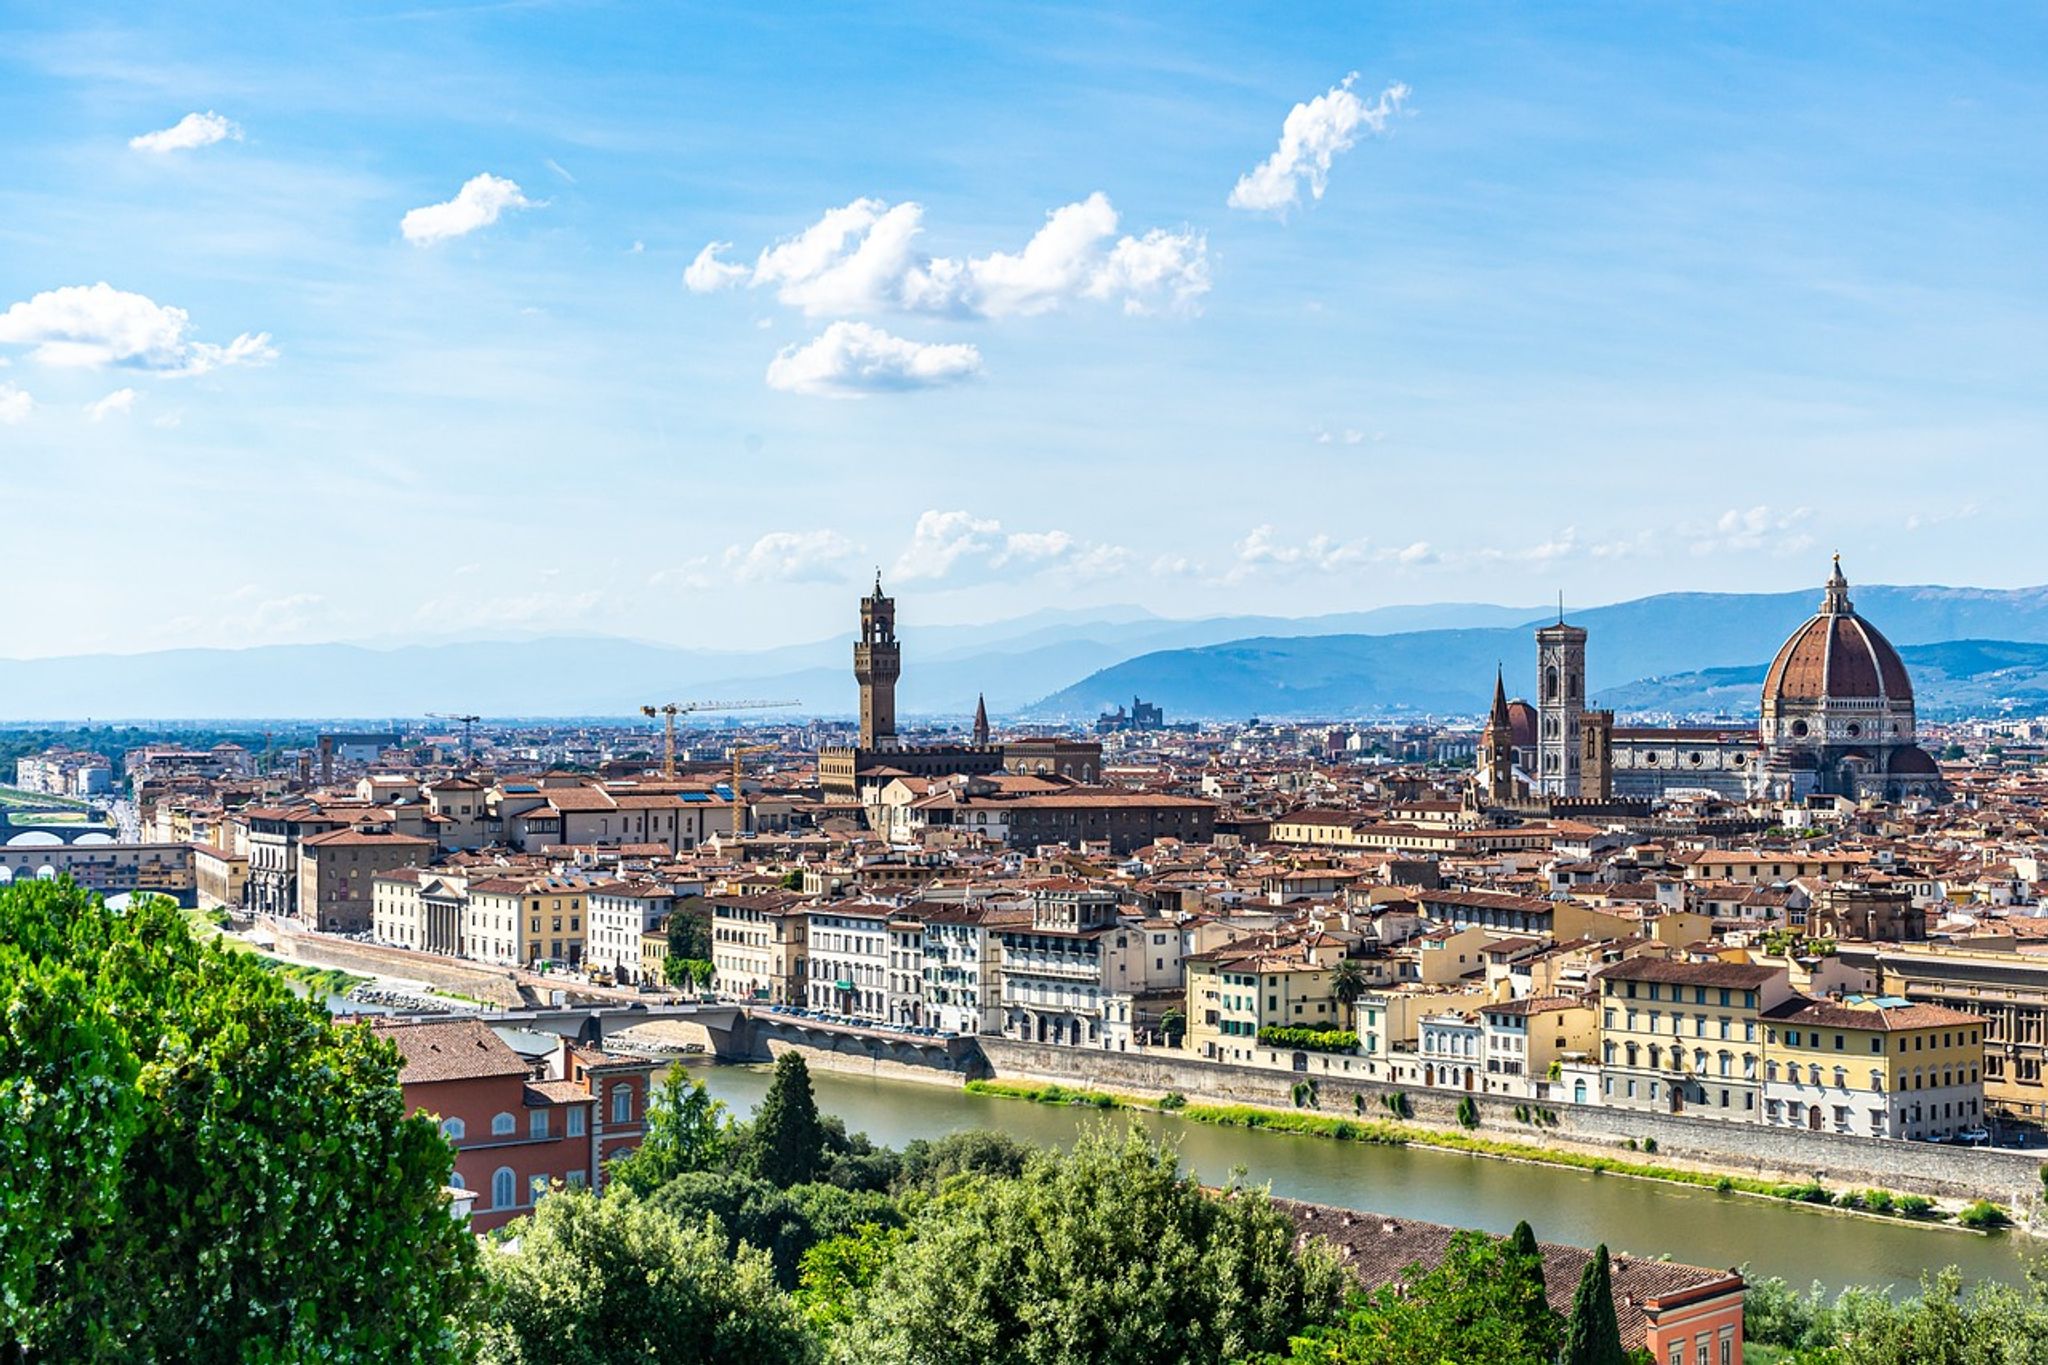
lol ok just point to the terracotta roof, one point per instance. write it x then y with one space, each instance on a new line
1733 974
460 1050
1380 1250
1832 1014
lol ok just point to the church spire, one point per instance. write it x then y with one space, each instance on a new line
1500 717
980 721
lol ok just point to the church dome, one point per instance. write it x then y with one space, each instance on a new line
1522 718
1836 656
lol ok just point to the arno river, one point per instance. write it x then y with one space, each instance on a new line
1696 1226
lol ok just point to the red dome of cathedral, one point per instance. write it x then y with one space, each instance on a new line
1837 656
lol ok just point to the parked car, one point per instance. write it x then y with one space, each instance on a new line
1973 1136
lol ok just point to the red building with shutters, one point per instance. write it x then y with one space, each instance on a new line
519 1130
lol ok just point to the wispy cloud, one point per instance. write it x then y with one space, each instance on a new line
94 326
189 132
855 359
119 403
1310 139
790 557
478 204
15 405
1747 530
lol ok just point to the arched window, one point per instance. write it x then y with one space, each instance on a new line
1550 684
504 1188
455 1180
504 1125
453 1129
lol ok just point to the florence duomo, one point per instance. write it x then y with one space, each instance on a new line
1835 719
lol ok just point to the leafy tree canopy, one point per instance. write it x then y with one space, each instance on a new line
199 1165
593 1281
1108 1255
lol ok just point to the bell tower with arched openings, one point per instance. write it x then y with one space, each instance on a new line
1560 706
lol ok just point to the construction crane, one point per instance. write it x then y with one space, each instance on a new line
668 711
739 800
464 721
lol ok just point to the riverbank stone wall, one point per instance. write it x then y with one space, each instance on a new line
1937 1169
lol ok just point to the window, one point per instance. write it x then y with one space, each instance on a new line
622 1103
537 1190
537 1124
504 1188
504 1125
453 1129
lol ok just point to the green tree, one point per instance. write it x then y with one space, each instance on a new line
1593 1335
689 928
788 1141
1529 1295
837 1274
928 1163
219 1170
1473 1305
589 1281
687 1130
1347 980
1173 1026
1108 1254
783 1223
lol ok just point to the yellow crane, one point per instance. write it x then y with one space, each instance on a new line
668 711
739 800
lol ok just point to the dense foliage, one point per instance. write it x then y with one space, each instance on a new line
1483 1302
589 1281
1987 1324
1310 1039
689 943
195 1164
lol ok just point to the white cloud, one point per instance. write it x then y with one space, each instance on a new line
15 405
91 326
193 130
789 557
1262 553
854 359
556 167
1310 139
1744 530
961 546
1916 521
476 205
863 257
119 403
707 274
262 615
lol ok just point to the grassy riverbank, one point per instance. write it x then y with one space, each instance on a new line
1397 1133
318 981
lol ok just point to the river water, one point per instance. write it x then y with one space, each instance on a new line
1695 1226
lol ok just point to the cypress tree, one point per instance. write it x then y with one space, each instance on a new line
1528 1293
1593 1336
789 1139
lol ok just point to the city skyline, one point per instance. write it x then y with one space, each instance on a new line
1320 316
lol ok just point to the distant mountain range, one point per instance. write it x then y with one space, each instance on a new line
945 668
1957 677
1705 647
1677 652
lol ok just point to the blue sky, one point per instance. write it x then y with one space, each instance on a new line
1612 301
